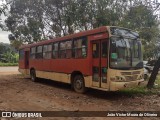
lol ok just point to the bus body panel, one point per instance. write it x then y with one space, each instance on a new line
99 30
131 78
62 77
21 64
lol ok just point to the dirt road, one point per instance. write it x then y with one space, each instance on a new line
21 94
8 70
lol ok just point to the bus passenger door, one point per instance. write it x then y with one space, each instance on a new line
99 63
26 61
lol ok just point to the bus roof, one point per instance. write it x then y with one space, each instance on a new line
75 35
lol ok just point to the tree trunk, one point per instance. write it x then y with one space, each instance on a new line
154 74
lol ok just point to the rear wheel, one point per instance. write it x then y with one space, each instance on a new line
33 76
78 84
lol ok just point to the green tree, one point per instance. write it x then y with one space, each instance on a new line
35 20
142 19
3 8
10 56
25 21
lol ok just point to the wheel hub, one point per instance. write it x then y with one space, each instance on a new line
78 84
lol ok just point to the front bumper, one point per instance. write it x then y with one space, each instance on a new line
115 86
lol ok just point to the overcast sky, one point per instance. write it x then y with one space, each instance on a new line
3 34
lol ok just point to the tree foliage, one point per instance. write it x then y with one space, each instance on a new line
34 20
8 54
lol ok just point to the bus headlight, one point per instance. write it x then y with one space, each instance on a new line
117 79
141 77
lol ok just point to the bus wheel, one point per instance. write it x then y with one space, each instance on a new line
33 76
78 84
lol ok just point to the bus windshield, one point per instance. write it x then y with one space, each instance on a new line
125 53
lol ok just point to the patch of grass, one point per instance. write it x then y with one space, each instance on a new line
8 64
143 90
136 91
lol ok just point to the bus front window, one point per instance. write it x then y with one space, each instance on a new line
125 53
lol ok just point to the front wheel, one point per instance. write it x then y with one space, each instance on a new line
78 84
33 76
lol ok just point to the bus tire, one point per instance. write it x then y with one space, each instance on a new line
78 84
33 76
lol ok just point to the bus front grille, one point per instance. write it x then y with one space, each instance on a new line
130 78
130 73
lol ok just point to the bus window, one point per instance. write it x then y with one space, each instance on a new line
55 50
21 54
80 48
33 52
68 49
104 49
95 50
47 51
39 52
65 49
62 51
136 49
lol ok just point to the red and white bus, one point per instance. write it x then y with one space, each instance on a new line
108 58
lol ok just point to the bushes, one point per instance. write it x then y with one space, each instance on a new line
8 64
8 55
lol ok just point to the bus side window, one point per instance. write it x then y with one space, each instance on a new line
80 48
68 49
62 50
65 49
33 53
47 51
39 54
95 50
55 50
104 49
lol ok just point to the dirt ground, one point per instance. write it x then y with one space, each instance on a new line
19 93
